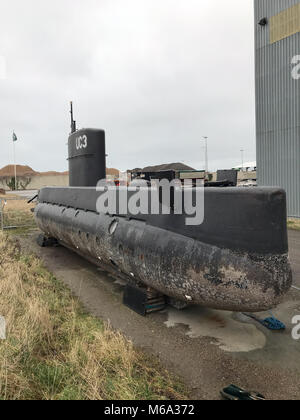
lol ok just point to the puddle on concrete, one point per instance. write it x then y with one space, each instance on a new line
230 334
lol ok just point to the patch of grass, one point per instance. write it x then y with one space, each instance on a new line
17 212
21 231
55 351
294 224
16 215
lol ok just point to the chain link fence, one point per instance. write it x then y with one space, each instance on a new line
16 213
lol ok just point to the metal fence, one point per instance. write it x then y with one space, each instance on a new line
16 213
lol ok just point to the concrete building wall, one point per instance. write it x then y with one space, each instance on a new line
39 181
277 56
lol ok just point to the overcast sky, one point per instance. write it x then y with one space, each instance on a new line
157 75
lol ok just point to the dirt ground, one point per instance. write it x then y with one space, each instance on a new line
208 349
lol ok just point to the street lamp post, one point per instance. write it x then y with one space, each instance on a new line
206 154
242 152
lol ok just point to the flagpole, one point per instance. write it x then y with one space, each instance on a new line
16 186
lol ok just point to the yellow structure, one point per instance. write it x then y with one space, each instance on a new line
285 24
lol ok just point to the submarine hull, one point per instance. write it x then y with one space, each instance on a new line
186 267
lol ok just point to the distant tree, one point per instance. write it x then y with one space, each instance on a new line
12 185
25 183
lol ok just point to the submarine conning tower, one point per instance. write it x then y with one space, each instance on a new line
87 157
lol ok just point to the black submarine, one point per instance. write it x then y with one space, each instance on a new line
236 260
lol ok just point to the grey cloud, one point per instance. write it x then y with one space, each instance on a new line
157 76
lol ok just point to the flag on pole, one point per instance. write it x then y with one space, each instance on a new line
15 138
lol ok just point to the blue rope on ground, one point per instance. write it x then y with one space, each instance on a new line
271 323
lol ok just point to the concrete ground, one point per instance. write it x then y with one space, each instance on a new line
208 349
